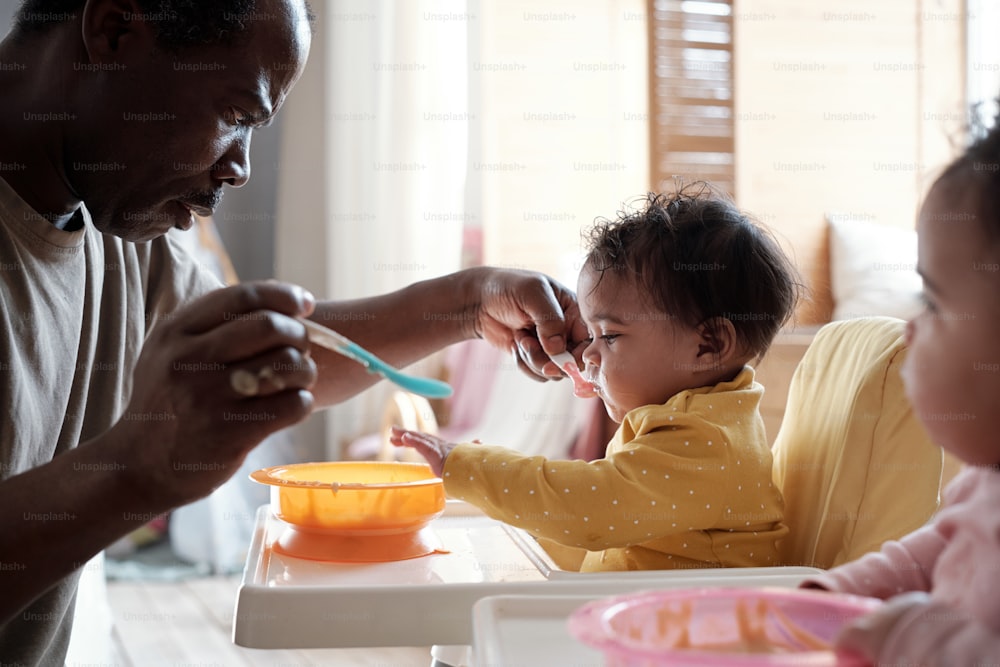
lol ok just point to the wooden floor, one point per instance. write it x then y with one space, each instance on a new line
189 623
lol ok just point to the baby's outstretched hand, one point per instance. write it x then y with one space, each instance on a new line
432 448
866 635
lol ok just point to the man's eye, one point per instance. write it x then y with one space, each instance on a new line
238 117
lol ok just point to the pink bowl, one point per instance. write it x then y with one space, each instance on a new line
746 627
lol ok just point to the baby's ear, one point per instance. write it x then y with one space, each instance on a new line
718 339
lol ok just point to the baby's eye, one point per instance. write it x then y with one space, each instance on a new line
609 338
928 304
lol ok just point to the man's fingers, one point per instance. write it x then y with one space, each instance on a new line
231 303
273 372
271 413
251 334
546 313
556 316
556 326
233 324
530 357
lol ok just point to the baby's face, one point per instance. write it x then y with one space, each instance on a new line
952 370
638 355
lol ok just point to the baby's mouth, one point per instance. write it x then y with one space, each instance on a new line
590 387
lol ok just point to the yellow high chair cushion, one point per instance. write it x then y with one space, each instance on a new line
854 464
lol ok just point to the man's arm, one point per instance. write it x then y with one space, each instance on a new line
55 517
526 314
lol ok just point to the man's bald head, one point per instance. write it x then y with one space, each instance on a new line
179 23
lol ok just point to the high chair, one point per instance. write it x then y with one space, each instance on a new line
853 461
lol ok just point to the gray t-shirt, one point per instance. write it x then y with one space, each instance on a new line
76 308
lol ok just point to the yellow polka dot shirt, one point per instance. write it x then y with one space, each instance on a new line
686 484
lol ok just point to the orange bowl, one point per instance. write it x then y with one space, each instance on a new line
354 510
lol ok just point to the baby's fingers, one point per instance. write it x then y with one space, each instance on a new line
856 644
397 434
434 450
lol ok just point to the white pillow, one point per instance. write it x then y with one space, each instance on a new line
873 269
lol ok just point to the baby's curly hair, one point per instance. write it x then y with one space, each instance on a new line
979 167
699 258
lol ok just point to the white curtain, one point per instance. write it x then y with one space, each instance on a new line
414 119
983 58
373 167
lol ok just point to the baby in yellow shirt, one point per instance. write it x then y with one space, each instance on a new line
678 297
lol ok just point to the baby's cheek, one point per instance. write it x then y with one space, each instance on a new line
906 372
614 412
915 387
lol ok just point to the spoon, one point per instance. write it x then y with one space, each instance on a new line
581 387
331 340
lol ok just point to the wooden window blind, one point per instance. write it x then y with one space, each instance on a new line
691 92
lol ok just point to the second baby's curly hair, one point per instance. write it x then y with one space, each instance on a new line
699 258
977 172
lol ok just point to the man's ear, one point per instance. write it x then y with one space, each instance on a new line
718 341
111 26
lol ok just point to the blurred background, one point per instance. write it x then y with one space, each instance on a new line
430 135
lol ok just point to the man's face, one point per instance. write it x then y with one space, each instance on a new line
169 130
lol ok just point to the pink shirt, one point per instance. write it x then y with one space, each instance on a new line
956 559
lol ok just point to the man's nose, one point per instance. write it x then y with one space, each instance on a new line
234 165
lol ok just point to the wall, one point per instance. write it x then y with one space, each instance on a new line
374 167
847 108
559 91
7 8
246 216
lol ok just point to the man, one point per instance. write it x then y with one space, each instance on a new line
124 395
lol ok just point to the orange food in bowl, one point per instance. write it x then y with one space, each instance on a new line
354 497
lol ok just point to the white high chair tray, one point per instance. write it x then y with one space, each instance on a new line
288 602
529 631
